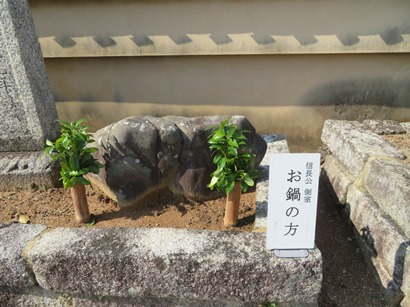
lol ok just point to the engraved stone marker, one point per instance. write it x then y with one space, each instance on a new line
28 114
27 109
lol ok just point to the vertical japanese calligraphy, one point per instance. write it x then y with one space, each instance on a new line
5 86
293 189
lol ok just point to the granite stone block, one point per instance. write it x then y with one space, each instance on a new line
353 145
261 214
388 182
27 106
14 271
383 126
188 264
35 296
383 241
338 180
406 126
27 170
379 232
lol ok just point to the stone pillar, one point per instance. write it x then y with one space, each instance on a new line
28 114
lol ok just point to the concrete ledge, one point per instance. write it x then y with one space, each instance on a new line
368 175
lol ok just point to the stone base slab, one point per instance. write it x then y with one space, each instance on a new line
151 267
215 266
27 170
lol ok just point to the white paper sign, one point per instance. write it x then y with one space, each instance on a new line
292 201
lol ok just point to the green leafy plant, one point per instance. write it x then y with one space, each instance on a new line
91 222
232 157
75 157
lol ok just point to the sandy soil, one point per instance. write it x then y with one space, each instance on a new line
54 208
401 141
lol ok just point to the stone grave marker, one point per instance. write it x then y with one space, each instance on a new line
27 109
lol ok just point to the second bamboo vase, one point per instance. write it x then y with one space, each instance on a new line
82 213
233 200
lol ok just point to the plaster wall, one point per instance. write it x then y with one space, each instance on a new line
291 94
287 66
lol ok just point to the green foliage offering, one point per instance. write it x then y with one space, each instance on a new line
232 158
75 157
91 222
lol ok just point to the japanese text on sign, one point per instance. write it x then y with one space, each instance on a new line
293 189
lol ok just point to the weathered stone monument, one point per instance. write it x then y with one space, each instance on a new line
144 154
27 109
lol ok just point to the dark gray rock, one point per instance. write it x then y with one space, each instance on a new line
140 156
195 162
144 154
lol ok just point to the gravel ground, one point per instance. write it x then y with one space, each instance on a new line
347 279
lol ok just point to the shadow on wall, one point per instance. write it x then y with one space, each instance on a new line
347 20
398 272
342 94
390 36
399 262
300 117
